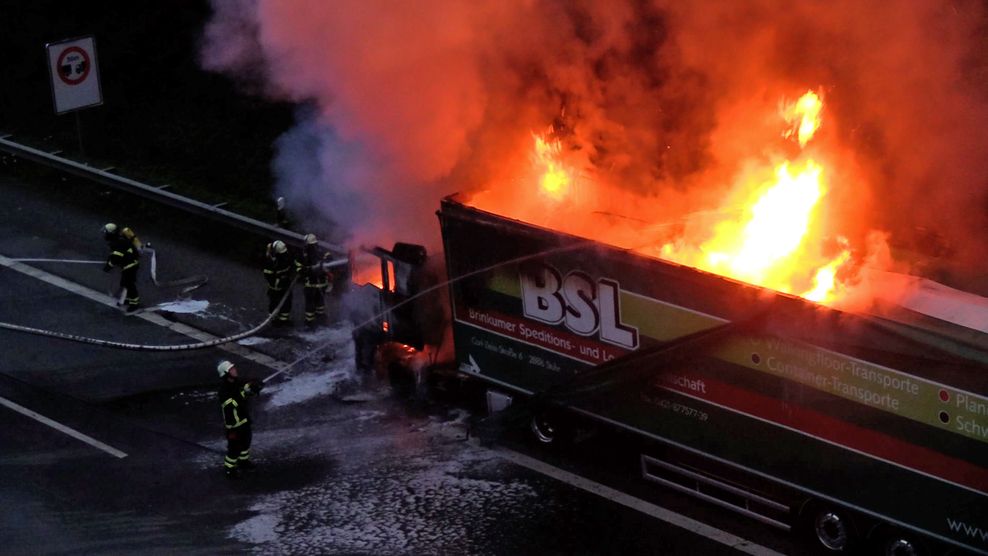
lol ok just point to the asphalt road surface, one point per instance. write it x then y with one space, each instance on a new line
107 451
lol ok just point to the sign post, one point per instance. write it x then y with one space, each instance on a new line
74 75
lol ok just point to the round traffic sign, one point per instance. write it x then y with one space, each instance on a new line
73 65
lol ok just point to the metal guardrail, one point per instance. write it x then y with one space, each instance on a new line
160 194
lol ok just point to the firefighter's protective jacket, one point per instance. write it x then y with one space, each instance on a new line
312 270
123 254
278 268
234 402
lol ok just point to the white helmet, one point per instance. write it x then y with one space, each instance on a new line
110 228
279 246
224 368
310 239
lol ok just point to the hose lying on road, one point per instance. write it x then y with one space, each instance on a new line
144 347
76 261
192 282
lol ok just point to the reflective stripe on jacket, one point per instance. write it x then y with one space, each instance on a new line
123 254
277 270
234 403
315 276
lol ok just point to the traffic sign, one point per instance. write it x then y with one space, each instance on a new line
74 74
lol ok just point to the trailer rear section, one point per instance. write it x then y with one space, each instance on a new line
866 432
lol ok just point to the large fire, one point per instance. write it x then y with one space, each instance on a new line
768 244
769 236
759 248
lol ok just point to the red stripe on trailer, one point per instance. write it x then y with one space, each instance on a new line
836 431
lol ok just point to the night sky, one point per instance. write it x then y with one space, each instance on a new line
161 114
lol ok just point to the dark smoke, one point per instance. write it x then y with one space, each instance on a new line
410 101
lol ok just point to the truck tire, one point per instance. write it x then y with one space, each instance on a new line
896 542
549 428
829 528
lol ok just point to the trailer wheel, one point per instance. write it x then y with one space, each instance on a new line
830 528
549 428
896 542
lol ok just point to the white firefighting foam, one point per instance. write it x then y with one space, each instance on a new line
319 377
185 306
438 502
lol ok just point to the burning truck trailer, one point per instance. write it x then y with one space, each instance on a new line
860 432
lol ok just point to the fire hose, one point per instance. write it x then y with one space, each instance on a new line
145 347
192 282
70 261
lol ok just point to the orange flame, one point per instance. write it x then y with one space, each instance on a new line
556 179
771 247
803 117
778 222
825 281
366 271
772 238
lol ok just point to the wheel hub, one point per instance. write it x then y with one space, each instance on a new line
544 430
900 547
831 531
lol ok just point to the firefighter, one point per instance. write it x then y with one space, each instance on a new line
278 268
233 396
125 254
281 213
316 282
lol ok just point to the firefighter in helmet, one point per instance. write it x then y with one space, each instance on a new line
234 397
279 266
125 254
316 282
281 213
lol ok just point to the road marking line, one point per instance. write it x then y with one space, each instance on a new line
62 428
658 512
178 327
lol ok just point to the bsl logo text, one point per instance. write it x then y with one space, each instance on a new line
576 301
